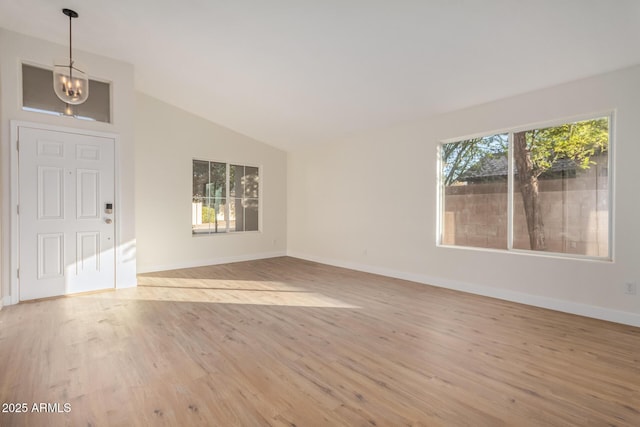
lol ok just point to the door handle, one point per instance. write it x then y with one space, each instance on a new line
108 221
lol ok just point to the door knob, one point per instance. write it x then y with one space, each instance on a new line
108 221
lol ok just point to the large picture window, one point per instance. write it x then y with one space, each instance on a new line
225 198
543 189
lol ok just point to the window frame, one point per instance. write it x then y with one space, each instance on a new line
228 197
440 194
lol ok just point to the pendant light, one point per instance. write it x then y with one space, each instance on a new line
70 81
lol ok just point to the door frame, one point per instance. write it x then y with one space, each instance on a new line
14 224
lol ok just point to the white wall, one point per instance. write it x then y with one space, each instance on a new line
340 197
16 48
167 139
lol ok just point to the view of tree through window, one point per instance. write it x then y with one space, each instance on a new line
560 184
476 185
225 198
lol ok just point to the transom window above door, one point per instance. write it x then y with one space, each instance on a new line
38 96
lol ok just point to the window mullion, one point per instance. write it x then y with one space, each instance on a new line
510 188
228 204
207 200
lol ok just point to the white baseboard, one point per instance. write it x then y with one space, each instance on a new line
624 317
126 285
212 261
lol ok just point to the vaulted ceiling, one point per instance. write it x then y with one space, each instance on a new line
296 72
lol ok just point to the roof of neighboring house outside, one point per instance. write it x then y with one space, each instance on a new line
498 166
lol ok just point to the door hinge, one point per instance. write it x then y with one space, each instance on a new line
18 209
18 273
18 145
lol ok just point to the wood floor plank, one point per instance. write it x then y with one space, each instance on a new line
284 342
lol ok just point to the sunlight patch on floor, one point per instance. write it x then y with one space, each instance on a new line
281 295
144 281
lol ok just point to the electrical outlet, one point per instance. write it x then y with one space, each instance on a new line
630 288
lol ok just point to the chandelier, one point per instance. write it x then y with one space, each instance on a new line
70 81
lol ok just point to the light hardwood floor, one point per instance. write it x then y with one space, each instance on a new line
285 342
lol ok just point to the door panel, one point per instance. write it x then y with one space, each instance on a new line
50 193
87 152
50 255
66 238
88 252
88 194
50 148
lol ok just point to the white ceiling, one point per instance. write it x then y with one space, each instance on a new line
296 72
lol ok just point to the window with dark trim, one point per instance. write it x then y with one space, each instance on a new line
225 198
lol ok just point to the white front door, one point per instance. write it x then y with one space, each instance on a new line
66 235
